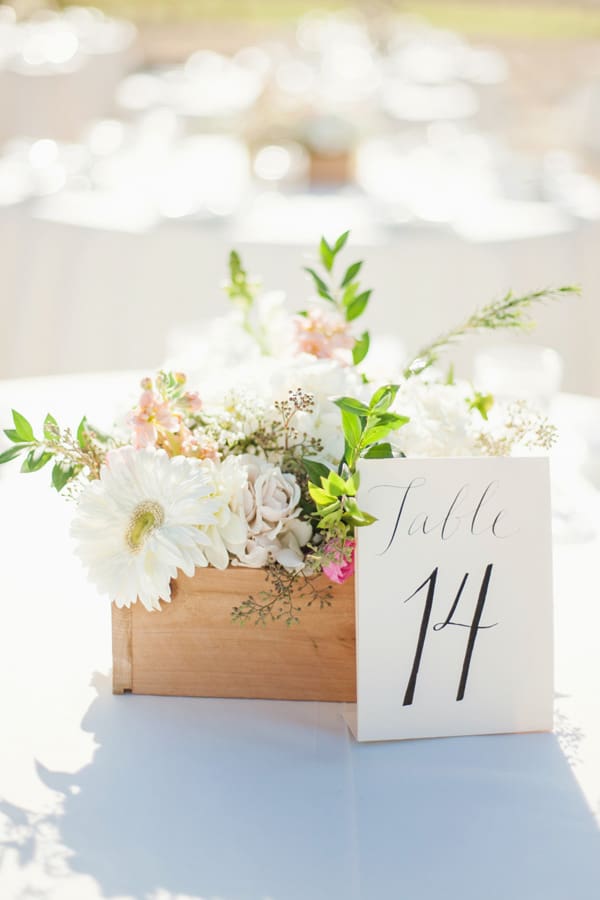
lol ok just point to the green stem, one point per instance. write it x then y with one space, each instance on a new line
508 313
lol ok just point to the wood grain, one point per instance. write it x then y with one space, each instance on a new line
192 648
121 649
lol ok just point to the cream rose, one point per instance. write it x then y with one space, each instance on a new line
270 503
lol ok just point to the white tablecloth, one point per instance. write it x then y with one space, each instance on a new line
171 799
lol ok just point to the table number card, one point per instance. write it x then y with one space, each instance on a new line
454 598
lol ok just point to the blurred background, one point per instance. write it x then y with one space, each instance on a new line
142 139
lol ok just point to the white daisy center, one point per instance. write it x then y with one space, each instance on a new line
146 518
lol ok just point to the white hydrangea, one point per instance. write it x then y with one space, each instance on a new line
325 379
441 423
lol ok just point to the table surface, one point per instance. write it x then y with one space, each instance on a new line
173 799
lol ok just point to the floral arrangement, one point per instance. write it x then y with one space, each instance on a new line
259 466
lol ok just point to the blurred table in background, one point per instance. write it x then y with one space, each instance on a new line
86 297
114 232
59 71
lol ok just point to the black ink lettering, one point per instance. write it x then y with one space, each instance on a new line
480 505
473 631
412 681
454 503
416 482
441 625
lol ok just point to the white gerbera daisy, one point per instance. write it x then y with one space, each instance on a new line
141 521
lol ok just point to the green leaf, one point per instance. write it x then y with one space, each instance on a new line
340 242
379 451
327 254
12 452
98 435
12 435
394 420
61 474
450 375
330 508
351 405
22 427
482 402
383 398
315 470
357 306
382 428
83 438
335 485
352 484
329 519
35 460
357 516
349 293
235 266
375 433
321 497
351 273
49 433
352 428
361 348
320 285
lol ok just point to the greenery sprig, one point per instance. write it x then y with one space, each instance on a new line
334 492
242 292
510 312
82 453
347 295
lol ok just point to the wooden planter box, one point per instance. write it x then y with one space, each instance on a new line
192 648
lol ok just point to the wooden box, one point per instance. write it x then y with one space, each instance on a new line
192 648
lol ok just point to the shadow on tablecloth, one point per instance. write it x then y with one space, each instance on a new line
249 800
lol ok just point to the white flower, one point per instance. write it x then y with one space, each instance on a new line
441 423
325 379
142 521
275 531
230 531
267 331
218 373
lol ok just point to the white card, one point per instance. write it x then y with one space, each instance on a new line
454 598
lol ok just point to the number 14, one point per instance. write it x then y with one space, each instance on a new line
474 627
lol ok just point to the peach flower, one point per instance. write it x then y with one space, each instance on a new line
323 333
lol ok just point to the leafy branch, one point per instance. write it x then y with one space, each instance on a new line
510 313
73 454
346 296
240 290
365 427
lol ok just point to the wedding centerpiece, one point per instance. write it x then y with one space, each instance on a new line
230 496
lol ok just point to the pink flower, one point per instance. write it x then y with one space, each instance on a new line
150 416
323 333
192 401
189 445
341 567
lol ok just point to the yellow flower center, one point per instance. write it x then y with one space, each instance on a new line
146 518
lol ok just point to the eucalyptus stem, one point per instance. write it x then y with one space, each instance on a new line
510 313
